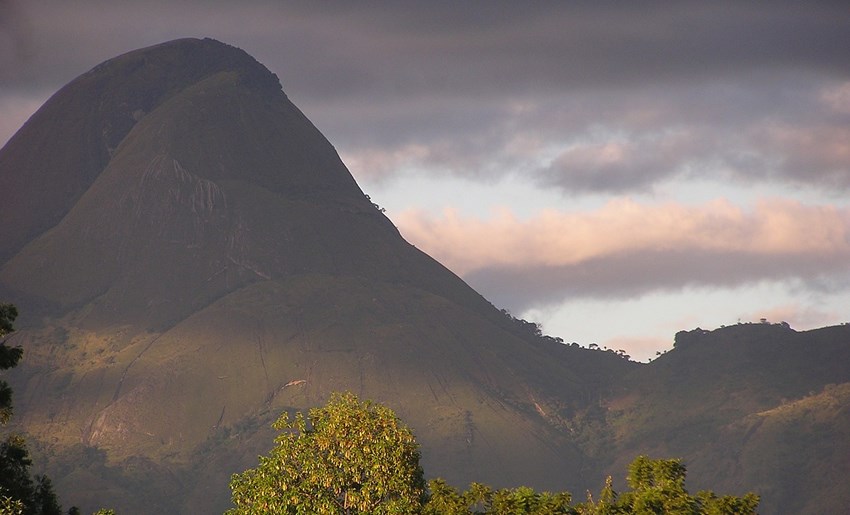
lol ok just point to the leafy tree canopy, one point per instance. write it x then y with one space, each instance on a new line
350 457
481 499
355 457
19 493
658 486
9 357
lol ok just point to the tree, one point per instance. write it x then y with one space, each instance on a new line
9 506
9 357
482 500
658 486
355 457
351 457
445 499
19 494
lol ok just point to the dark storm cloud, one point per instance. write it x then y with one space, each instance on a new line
15 40
460 81
474 47
333 49
621 165
777 128
634 274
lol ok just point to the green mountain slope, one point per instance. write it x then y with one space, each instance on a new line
216 264
755 405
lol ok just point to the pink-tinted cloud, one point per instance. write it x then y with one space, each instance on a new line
552 238
639 349
796 315
627 248
837 97
809 154
377 163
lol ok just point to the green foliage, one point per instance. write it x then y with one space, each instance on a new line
19 494
658 486
37 496
357 457
45 500
483 500
711 504
524 500
8 314
14 468
352 457
445 499
9 357
9 506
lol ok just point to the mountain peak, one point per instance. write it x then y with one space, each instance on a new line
84 123
201 246
187 60
184 152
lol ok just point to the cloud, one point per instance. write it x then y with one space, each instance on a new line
442 88
16 110
808 154
797 316
622 164
599 143
630 249
376 163
15 39
837 98
773 227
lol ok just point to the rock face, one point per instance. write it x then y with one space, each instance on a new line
194 258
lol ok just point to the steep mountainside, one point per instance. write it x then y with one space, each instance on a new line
759 405
193 258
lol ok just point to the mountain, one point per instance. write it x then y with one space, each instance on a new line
193 258
754 405
190 258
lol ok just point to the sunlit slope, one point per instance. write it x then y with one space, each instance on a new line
277 345
222 184
749 407
197 259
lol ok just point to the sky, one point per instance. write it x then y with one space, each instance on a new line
615 171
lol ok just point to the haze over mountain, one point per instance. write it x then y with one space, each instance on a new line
191 257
